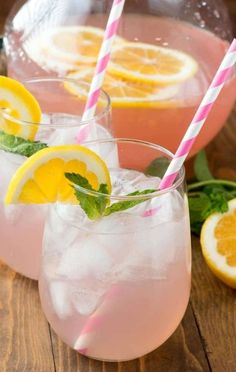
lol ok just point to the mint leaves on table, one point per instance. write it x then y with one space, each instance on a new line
201 168
207 195
96 206
18 145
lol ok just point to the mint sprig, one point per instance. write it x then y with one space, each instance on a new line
97 206
207 195
92 205
18 145
126 204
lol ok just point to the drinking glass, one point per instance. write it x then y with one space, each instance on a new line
21 225
117 287
67 39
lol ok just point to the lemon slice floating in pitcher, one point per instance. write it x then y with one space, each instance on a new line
18 104
148 63
124 93
218 241
64 48
41 179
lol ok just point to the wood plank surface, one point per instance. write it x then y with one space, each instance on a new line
214 306
205 340
25 343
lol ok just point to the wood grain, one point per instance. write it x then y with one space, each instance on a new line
24 333
214 306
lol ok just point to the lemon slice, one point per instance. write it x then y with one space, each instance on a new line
151 64
66 47
123 92
41 178
16 102
218 241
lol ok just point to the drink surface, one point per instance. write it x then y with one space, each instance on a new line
173 115
117 288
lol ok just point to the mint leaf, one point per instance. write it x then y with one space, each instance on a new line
93 206
96 206
126 204
79 180
101 200
201 167
199 204
218 198
209 196
18 145
158 167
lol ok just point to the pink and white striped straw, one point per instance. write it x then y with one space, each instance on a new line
200 117
100 70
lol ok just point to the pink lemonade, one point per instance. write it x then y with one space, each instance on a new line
117 287
22 225
133 319
167 125
163 121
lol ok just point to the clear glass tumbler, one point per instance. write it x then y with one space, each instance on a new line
116 288
21 226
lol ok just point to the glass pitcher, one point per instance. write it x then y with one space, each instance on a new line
163 59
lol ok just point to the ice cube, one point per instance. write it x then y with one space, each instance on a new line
13 212
85 259
59 233
60 297
106 150
70 126
158 246
86 300
169 241
125 181
71 215
11 163
171 207
98 132
23 212
49 264
63 136
117 235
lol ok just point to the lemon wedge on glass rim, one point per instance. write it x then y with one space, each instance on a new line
20 113
218 241
41 179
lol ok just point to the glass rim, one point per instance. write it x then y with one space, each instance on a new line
96 117
180 178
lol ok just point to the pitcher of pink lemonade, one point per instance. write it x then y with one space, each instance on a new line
163 59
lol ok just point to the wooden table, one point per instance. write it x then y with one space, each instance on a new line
205 340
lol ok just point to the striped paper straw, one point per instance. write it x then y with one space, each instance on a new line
100 70
200 117
97 320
